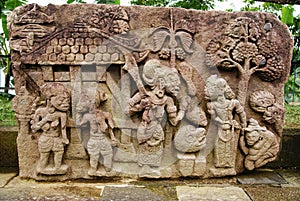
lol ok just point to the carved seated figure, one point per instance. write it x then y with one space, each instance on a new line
100 123
51 121
259 145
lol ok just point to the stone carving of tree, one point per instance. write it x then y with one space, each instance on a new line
172 42
243 47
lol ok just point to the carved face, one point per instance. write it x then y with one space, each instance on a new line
252 137
262 104
172 84
215 88
274 114
209 92
83 106
60 102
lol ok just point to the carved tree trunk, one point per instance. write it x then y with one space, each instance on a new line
245 75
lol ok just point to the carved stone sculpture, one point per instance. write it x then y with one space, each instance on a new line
222 110
51 121
259 145
145 91
99 123
164 83
273 113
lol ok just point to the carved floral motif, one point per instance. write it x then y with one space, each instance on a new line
173 42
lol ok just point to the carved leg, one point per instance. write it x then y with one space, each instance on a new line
58 159
107 162
44 156
93 164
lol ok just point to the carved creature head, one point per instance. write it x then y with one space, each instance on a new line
254 132
274 114
57 95
157 75
190 139
261 100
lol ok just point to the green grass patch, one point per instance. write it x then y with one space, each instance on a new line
292 116
7 117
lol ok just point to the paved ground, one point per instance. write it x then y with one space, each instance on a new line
261 185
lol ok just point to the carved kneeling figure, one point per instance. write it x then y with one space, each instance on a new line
259 144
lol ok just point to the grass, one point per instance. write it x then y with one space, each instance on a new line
7 117
292 116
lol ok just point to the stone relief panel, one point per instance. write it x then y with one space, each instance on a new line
110 91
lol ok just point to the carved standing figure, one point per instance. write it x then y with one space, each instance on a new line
259 145
222 109
164 83
100 123
51 121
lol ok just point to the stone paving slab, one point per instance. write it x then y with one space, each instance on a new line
211 193
292 177
143 190
271 193
6 175
129 193
261 177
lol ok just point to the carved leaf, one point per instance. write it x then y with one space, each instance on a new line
272 71
244 51
186 40
160 35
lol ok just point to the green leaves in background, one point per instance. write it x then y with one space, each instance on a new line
287 15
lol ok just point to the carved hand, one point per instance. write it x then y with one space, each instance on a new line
65 140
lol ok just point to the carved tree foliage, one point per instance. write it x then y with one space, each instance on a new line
242 46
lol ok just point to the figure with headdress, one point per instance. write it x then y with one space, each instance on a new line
223 107
51 121
164 85
259 145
